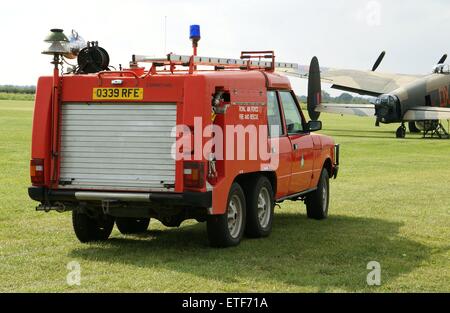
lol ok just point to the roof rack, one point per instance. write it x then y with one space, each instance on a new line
245 62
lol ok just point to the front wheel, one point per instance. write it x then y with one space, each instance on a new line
88 228
226 230
401 132
317 201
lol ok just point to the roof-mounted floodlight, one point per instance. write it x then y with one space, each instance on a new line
59 43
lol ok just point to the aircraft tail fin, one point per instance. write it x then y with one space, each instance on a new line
314 89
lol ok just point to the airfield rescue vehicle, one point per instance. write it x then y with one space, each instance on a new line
187 137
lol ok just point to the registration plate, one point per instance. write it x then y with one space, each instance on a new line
118 93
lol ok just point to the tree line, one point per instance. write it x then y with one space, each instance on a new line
326 97
342 98
18 89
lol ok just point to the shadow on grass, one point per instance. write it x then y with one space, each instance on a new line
299 253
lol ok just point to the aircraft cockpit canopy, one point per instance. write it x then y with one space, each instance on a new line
442 69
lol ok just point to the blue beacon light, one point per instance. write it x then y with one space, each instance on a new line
194 33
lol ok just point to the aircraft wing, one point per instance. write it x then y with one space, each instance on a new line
347 109
427 113
366 82
362 82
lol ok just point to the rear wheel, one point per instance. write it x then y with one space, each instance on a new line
226 230
413 127
130 225
317 201
88 228
260 206
428 125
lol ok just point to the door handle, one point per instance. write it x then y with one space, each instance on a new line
295 146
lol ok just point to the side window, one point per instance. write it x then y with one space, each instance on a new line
294 123
273 115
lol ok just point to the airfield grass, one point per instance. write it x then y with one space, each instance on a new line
390 204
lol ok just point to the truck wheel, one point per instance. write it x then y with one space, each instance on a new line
130 225
260 206
226 230
89 229
318 200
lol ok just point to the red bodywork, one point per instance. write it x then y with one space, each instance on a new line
192 93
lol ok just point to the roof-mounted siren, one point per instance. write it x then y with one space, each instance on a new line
194 35
59 43
314 89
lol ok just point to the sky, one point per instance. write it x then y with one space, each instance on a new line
341 33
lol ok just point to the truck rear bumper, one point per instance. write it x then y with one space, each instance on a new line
190 199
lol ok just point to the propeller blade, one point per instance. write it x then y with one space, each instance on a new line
442 60
378 61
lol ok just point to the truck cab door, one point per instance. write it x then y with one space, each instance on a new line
279 143
302 154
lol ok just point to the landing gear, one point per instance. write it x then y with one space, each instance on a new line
401 131
413 127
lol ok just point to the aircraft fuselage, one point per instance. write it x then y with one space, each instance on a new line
432 91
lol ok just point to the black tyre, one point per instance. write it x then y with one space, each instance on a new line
89 229
226 230
130 225
401 132
317 201
260 207
172 221
413 127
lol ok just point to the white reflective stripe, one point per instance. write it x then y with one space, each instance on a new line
89 195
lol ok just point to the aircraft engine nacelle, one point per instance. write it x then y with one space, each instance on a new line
388 109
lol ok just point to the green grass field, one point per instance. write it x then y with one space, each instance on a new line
390 204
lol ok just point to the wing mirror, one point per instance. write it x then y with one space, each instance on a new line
314 126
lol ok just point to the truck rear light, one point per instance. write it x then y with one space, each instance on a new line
37 171
194 174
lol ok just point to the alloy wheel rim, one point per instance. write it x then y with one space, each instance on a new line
264 207
324 198
234 216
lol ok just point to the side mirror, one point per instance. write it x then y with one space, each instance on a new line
314 126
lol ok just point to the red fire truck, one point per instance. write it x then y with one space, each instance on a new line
187 137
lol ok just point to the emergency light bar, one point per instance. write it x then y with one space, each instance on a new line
211 61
